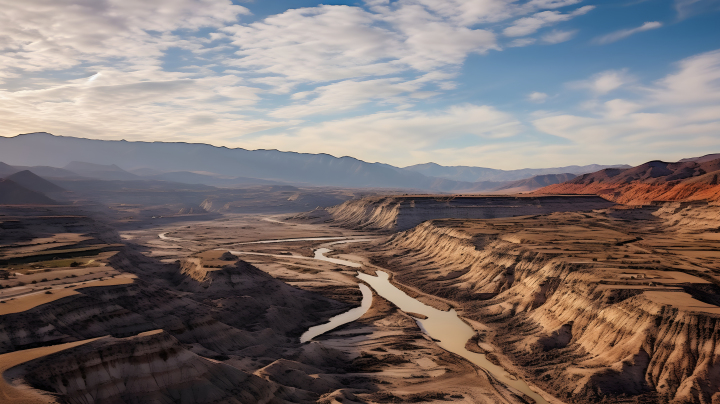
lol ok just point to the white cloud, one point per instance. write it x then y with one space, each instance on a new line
679 112
394 137
529 25
37 35
348 95
697 81
328 43
557 36
470 12
624 33
520 42
688 8
147 105
537 97
604 82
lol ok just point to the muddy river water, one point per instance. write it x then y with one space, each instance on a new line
445 327
450 332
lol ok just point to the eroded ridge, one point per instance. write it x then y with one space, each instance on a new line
394 213
590 305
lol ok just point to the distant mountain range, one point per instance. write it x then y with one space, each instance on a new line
476 174
533 183
692 179
57 156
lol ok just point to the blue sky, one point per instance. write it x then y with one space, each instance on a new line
494 83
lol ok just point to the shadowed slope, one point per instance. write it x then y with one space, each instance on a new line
12 193
34 182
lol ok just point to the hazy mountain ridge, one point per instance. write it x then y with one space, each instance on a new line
245 166
477 174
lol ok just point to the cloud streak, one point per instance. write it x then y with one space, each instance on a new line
624 33
529 25
382 80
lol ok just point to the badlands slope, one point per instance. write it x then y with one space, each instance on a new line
164 314
619 305
164 328
393 213
653 181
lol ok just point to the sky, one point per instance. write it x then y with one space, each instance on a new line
493 83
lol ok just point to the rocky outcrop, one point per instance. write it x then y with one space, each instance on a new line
690 216
576 333
399 213
242 294
151 367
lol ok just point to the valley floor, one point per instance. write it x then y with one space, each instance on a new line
90 325
616 305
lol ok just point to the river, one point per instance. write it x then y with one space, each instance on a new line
449 330
446 327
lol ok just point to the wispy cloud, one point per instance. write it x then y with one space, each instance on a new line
680 110
557 36
520 42
604 82
688 8
39 36
537 97
530 25
397 137
624 33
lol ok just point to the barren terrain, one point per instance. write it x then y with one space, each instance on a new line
619 305
615 304
169 298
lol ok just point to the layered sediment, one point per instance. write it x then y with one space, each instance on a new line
399 213
588 309
151 367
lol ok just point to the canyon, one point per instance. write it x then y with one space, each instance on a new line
555 298
395 213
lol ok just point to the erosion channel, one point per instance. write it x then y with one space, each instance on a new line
445 327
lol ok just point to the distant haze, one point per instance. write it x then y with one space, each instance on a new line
220 166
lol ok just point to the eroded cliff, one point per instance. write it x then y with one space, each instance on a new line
399 213
150 367
583 303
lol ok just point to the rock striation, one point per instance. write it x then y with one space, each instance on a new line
150 367
398 213
581 323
